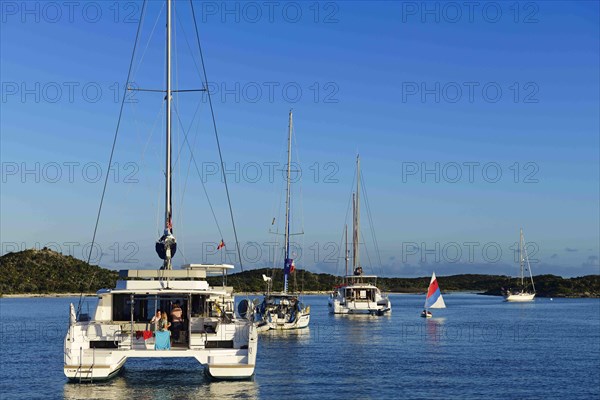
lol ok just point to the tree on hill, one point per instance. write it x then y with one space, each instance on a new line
46 271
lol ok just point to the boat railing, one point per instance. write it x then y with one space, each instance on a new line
80 363
93 363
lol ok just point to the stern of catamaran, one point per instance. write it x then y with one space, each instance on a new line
121 327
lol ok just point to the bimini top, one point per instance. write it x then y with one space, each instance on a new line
127 289
209 269
189 278
361 276
187 271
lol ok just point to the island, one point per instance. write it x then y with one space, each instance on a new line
46 272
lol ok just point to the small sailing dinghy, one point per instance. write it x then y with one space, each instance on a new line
434 298
522 294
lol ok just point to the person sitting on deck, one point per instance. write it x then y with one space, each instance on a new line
163 335
163 323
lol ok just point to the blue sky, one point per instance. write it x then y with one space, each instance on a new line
500 102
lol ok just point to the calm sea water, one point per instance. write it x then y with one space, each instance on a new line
479 347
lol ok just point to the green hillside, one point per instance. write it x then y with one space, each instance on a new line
546 285
45 271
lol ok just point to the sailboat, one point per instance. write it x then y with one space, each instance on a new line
359 293
97 346
434 298
522 294
284 310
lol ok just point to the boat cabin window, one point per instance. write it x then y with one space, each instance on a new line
202 306
198 305
122 308
360 294
145 306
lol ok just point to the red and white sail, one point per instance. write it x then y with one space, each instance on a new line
434 297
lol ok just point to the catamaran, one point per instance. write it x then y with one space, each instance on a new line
434 298
358 294
522 294
97 346
284 310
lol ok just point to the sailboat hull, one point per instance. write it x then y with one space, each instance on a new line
281 312
301 323
340 305
519 297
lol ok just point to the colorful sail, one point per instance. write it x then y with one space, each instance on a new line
434 297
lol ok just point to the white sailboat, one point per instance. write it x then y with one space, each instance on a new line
96 347
284 310
434 298
359 293
522 294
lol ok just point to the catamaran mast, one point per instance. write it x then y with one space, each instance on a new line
168 127
166 246
288 261
168 176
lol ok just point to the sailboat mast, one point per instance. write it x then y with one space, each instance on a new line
357 211
287 209
168 125
526 258
353 231
168 173
346 252
521 257
168 176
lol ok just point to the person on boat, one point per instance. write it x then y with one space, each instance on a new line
177 321
163 334
163 322
155 320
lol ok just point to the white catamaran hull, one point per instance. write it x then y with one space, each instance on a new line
519 297
359 307
83 363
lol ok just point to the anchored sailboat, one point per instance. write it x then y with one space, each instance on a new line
434 298
283 310
523 293
96 347
359 293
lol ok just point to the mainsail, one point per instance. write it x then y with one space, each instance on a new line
434 297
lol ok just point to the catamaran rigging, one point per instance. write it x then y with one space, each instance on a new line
359 293
96 347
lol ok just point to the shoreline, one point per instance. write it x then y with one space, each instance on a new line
309 293
44 295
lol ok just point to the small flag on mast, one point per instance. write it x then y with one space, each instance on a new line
221 245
